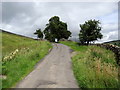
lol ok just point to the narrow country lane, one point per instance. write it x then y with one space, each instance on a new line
55 71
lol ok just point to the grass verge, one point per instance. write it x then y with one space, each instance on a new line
94 67
20 55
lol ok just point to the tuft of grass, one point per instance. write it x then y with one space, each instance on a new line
29 53
94 67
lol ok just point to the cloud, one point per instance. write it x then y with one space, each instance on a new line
110 27
109 36
25 17
11 10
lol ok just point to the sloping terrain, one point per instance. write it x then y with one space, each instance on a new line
93 66
19 56
55 71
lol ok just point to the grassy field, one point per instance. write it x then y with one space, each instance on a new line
19 56
94 67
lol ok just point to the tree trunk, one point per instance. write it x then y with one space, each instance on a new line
87 42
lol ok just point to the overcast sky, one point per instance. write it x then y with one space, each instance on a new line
25 17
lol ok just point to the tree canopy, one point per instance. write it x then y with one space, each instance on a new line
56 29
39 33
90 31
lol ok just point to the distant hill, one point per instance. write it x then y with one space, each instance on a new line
3 31
115 42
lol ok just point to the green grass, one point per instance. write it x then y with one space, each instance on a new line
29 52
94 67
75 46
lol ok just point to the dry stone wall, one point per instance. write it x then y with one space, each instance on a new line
113 48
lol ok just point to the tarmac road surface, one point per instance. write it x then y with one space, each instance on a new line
54 71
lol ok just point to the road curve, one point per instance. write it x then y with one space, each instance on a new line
55 71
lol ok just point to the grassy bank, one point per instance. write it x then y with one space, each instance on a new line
19 57
94 67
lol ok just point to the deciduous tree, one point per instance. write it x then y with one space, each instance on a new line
90 31
56 29
39 33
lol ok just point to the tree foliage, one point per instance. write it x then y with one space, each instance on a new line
39 33
90 31
56 29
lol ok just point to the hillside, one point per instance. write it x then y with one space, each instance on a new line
11 41
19 56
115 42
